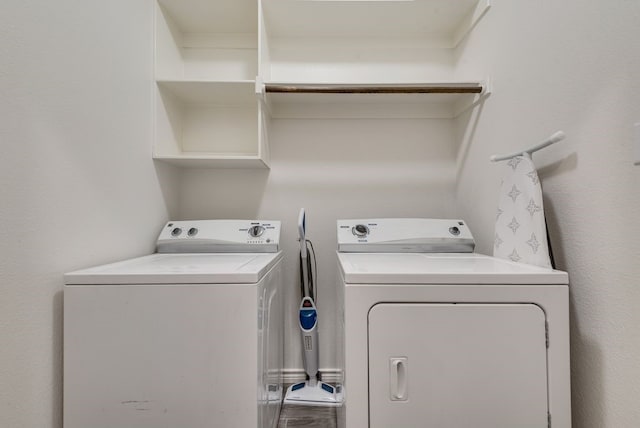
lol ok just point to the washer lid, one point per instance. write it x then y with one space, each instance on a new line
435 268
185 268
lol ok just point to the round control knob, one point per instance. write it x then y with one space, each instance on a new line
360 230
192 232
454 231
176 231
256 231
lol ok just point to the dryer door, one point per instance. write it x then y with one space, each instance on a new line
457 366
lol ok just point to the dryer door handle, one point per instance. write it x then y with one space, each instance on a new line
398 378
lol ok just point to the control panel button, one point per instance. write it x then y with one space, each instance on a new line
307 318
176 232
454 231
256 231
360 230
192 232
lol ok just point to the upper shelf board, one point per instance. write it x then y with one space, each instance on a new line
240 93
443 21
207 16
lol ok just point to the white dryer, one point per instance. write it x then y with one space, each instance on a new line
191 336
438 336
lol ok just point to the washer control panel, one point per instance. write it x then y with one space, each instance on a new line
411 235
219 236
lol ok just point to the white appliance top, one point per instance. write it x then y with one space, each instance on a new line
219 236
444 268
182 268
404 235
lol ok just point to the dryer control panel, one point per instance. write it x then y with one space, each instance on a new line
219 236
405 235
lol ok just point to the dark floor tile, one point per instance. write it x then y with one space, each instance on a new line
298 411
294 416
308 423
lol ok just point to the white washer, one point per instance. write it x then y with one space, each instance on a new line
191 336
449 339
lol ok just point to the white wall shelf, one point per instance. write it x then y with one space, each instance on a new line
215 124
310 59
214 160
443 22
206 61
233 93
363 41
202 39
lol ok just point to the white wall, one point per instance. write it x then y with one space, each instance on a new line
570 65
334 169
77 183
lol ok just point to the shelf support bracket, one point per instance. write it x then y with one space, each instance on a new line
471 21
487 89
260 88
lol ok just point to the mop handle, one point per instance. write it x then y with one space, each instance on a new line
303 253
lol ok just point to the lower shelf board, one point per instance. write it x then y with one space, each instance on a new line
214 161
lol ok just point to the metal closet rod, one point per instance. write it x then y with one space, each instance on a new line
558 136
373 89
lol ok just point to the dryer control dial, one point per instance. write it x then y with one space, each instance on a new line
256 231
360 230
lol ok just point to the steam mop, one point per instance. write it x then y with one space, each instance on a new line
311 392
